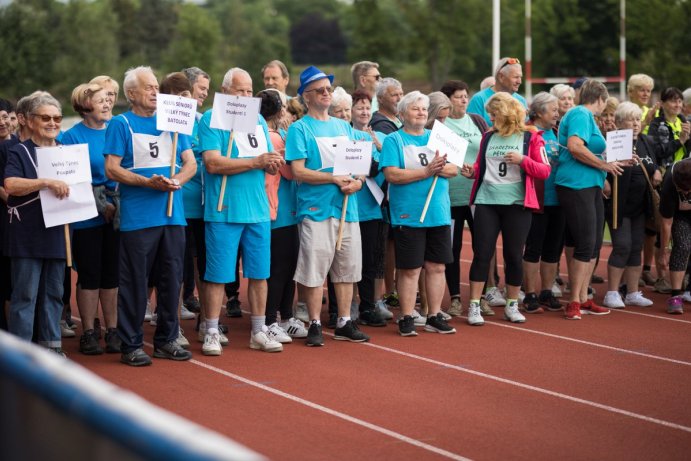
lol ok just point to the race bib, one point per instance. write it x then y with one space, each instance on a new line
500 172
417 157
251 144
149 151
327 149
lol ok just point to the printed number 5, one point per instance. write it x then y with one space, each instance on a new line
252 140
502 169
423 159
153 149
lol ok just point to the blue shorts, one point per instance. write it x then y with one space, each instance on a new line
222 242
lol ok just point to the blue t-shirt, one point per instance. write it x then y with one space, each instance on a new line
192 194
552 150
479 99
572 173
144 207
287 214
96 139
406 201
245 199
314 141
367 206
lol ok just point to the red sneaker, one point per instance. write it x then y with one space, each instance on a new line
573 311
589 307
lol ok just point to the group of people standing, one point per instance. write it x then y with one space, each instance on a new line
268 202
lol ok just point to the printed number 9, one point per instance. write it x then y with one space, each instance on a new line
423 159
502 169
153 149
253 141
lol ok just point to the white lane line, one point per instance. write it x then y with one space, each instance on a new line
671 319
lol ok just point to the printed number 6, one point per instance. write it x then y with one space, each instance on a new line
153 149
502 169
252 140
423 159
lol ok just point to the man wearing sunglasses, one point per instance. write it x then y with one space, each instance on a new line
508 78
366 76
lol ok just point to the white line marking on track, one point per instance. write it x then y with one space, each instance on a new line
670 319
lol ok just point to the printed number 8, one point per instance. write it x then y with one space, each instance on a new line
253 141
423 159
153 149
502 169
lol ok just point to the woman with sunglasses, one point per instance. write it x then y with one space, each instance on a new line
38 253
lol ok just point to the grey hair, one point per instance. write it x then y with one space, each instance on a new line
228 77
487 82
540 102
411 98
503 68
627 110
340 96
24 105
437 102
276 63
42 99
193 73
360 68
687 96
131 79
559 89
385 83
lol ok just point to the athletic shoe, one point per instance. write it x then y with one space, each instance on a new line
262 341
212 345
97 328
446 316
192 304
613 300
675 305
186 314
136 358
456 308
233 308
573 311
152 322
559 281
596 279
201 335
521 296
686 296
391 299
512 314
172 351
65 331
333 320
181 340
591 292
662 286
548 299
279 334
112 341
148 312
484 307
531 304
474 315
295 328
648 278
88 344
314 335
556 290
637 299
438 324
371 318
58 351
495 298
406 326
222 328
419 320
641 282
350 332
384 311
301 312
590 308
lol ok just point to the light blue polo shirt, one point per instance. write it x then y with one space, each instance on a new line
552 150
192 190
479 99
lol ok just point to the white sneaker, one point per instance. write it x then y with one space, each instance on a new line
301 312
384 311
152 322
521 296
495 298
147 314
420 321
181 340
279 334
201 336
446 316
261 341
65 331
295 328
511 314
212 344
637 299
556 290
613 300
686 296
185 314
474 315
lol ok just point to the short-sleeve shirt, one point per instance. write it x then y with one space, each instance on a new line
314 141
503 183
572 173
192 190
552 151
144 207
286 215
368 207
406 201
479 99
460 186
245 200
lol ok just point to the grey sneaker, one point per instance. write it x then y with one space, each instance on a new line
172 351
136 358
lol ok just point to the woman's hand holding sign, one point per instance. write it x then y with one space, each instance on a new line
60 188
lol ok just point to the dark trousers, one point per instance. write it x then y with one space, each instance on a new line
459 215
140 250
188 265
373 239
285 244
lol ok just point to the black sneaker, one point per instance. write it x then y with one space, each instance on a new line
223 328
437 324
233 308
350 332
314 335
172 351
406 326
596 279
88 343
391 299
531 304
548 300
112 341
97 328
192 304
136 358
372 318
333 320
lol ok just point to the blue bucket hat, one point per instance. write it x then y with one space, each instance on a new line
312 74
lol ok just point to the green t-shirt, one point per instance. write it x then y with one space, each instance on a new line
503 182
460 186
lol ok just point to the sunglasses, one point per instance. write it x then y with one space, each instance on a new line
48 118
510 62
322 90
376 77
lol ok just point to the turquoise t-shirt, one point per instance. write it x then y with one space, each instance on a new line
145 151
572 173
406 201
479 99
192 194
368 207
245 200
314 140
82 134
503 182
460 186
552 150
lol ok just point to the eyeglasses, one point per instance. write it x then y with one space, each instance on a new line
510 62
322 90
48 118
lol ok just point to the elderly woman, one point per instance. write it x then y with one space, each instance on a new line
580 179
111 86
545 240
341 104
634 203
96 241
640 88
508 163
38 253
605 120
565 95
439 108
409 167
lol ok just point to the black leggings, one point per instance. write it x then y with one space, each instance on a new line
285 244
514 223
459 216
373 237
627 242
585 219
546 237
681 243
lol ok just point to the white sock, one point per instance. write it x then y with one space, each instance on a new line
340 323
211 326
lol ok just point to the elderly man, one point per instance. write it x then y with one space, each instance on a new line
508 77
366 76
244 220
275 75
200 81
389 93
138 156
310 146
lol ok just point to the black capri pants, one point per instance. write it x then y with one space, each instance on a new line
627 241
459 216
545 240
96 257
585 219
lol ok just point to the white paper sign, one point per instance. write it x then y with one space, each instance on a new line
238 113
447 142
375 189
175 113
619 145
71 165
353 158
